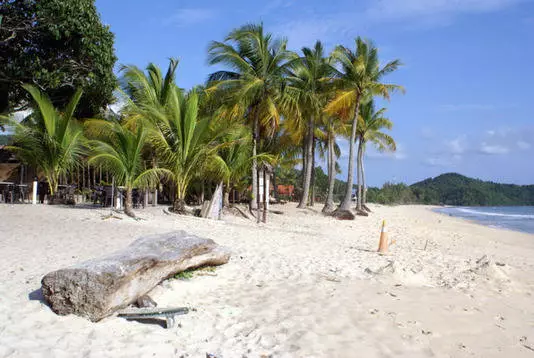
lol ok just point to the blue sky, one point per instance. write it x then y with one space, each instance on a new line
468 71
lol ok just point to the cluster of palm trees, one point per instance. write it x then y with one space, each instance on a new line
266 107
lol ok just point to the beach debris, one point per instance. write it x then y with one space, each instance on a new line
140 314
96 288
214 207
523 341
389 268
145 302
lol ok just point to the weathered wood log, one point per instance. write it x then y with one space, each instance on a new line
96 288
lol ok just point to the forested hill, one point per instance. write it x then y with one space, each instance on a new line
454 189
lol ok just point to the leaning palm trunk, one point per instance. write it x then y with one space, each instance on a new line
359 170
329 204
308 166
345 204
128 205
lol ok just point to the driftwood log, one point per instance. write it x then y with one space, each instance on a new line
97 288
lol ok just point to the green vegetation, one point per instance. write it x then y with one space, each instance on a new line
59 46
266 108
51 140
454 189
190 273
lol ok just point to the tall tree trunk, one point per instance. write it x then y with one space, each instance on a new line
226 196
255 137
275 187
329 204
312 181
265 196
306 180
100 176
83 175
364 194
359 171
202 192
128 205
94 176
347 199
258 218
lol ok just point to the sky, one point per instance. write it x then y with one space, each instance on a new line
469 101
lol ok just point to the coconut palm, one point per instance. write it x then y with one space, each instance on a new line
359 78
49 139
235 155
185 144
332 128
251 87
306 96
119 150
151 88
370 125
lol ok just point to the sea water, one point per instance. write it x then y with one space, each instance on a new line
519 218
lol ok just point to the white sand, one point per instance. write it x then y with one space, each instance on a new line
301 286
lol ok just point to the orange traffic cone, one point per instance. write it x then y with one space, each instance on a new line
383 244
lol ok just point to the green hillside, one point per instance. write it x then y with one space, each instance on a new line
454 189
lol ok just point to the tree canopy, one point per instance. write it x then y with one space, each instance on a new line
58 46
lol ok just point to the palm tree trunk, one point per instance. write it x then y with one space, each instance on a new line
258 219
128 205
255 132
329 204
226 196
364 194
275 188
306 180
345 204
265 189
178 205
83 175
359 171
312 181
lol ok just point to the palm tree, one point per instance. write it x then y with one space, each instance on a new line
332 127
252 86
185 144
235 155
49 139
305 94
119 150
359 78
370 125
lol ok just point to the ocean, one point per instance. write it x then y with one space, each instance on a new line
519 218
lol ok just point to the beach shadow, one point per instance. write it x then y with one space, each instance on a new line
159 322
37 295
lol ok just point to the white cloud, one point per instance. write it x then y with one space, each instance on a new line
523 145
427 133
494 149
189 16
399 154
456 146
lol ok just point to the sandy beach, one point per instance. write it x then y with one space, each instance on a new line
303 285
